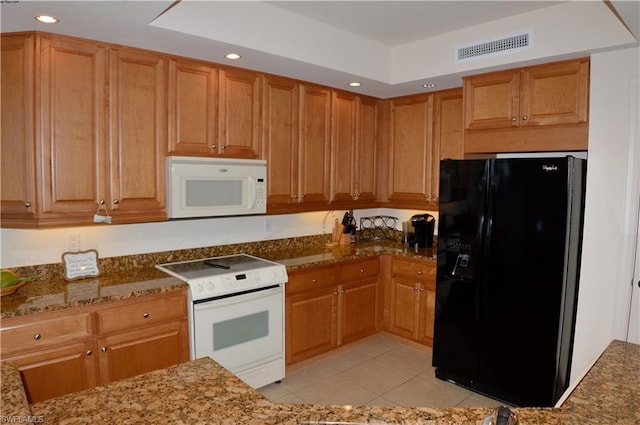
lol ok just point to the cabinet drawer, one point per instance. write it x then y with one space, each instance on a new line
359 270
131 315
26 334
311 279
415 270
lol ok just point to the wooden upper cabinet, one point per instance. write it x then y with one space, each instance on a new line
280 140
315 145
533 109
447 132
17 144
73 150
354 126
193 108
138 136
239 113
555 93
411 151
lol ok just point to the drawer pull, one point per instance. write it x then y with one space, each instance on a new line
146 315
37 337
88 352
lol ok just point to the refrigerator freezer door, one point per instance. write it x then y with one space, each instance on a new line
456 349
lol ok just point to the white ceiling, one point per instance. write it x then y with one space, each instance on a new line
392 47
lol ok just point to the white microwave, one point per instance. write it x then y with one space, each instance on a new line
212 187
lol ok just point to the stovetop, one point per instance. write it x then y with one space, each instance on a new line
217 276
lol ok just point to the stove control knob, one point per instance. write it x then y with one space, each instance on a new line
210 285
200 288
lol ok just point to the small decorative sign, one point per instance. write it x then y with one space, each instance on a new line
81 264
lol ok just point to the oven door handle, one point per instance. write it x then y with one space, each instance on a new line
235 298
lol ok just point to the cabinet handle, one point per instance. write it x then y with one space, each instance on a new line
88 352
27 204
525 117
145 315
116 202
37 337
104 349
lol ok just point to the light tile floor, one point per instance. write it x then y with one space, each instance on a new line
379 371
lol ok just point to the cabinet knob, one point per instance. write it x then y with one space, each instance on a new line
335 293
27 204
223 147
342 292
421 289
419 272
303 195
214 146
145 315
103 349
361 270
101 202
525 117
295 196
415 288
37 337
513 119
116 202
88 352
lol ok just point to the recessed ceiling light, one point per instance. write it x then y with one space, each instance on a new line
355 84
232 56
428 86
46 19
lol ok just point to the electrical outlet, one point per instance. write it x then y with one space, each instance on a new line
267 225
74 241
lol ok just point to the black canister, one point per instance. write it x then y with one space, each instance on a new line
424 225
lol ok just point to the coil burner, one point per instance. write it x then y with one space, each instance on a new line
378 227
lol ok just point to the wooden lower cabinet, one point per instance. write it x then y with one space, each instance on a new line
67 351
329 306
412 300
57 371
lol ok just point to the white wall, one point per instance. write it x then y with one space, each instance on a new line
612 186
28 247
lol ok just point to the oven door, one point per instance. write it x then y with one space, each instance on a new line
241 332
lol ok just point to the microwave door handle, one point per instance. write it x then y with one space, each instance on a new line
253 196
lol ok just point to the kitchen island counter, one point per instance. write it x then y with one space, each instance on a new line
203 392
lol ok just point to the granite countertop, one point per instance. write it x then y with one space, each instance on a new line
203 392
59 294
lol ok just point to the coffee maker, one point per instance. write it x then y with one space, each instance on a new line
423 228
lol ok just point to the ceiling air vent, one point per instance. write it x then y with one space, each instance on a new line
494 47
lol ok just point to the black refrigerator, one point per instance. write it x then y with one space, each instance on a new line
509 246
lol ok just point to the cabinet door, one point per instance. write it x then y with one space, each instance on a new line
239 114
404 312
280 109
315 145
411 151
427 313
73 147
555 93
447 133
17 156
139 351
57 371
491 100
366 150
138 135
310 323
357 310
343 132
193 108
